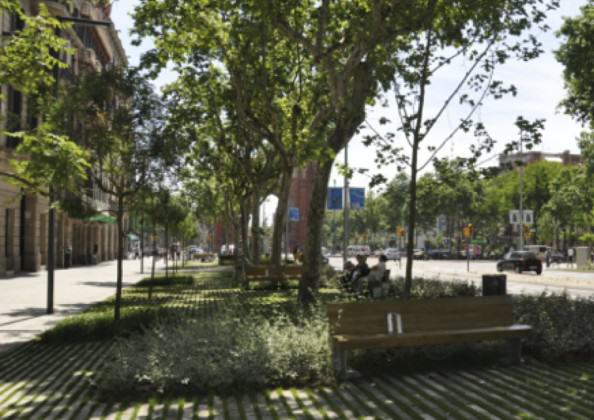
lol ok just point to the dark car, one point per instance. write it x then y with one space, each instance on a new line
438 254
520 261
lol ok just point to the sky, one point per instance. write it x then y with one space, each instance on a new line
539 83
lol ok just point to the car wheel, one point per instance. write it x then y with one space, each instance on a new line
518 269
538 271
499 269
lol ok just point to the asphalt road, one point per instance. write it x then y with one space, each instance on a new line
554 279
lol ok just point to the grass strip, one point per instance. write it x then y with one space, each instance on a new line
270 404
19 371
374 394
525 402
416 398
470 392
526 387
402 406
65 383
550 389
447 398
45 374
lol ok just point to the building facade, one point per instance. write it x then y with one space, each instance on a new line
509 161
24 217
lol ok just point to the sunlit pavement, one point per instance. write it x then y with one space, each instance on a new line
23 297
554 279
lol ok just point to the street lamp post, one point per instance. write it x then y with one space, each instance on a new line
345 241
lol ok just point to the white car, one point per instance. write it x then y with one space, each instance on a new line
392 254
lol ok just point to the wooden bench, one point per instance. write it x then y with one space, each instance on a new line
271 273
365 325
227 259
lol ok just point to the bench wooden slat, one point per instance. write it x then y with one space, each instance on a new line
265 273
429 338
421 315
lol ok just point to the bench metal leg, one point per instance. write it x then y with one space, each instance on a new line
339 360
515 350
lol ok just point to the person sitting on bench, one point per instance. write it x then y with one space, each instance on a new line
360 273
347 276
376 275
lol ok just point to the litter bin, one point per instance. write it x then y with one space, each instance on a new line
68 257
494 284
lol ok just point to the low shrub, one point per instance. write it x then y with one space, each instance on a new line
563 327
236 350
166 281
431 288
100 325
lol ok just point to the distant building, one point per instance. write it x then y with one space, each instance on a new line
300 197
509 161
24 218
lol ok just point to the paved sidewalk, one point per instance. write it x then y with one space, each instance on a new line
23 298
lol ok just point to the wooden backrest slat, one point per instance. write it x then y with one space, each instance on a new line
421 315
265 270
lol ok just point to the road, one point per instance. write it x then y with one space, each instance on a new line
23 297
554 279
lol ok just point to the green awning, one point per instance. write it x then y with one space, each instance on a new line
102 218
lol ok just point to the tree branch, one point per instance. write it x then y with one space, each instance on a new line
466 119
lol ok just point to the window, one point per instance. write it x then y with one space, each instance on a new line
13 119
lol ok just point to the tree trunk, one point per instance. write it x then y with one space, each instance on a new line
243 229
154 262
120 219
412 216
166 251
256 229
310 279
141 253
280 217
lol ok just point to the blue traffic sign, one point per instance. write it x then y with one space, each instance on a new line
357 198
293 214
334 200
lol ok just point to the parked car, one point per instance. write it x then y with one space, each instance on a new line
520 261
392 254
438 254
557 257
354 250
419 254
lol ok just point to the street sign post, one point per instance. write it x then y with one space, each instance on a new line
334 200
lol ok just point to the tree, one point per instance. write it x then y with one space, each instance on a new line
119 116
575 53
264 89
485 34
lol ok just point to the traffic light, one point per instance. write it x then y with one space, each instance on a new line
400 231
468 231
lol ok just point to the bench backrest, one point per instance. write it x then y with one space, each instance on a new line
271 271
421 315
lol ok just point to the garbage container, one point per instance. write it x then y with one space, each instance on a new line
68 257
494 284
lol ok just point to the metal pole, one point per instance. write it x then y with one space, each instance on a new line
521 192
467 254
345 242
51 253
287 234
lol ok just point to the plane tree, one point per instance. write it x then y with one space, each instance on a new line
267 83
